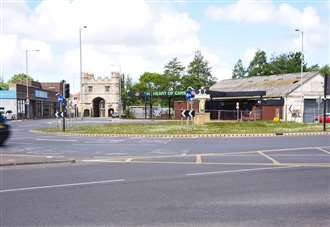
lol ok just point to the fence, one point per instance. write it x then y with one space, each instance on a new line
231 115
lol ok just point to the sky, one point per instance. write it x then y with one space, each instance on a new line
135 36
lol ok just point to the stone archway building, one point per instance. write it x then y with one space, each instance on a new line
101 96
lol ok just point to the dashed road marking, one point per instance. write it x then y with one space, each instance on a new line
275 162
61 185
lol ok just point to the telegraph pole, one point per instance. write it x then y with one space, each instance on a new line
63 105
325 103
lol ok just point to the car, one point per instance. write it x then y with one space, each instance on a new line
10 115
115 115
4 130
320 118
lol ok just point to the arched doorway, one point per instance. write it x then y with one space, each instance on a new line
110 112
98 107
86 113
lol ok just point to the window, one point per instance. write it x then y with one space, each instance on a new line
90 88
107 88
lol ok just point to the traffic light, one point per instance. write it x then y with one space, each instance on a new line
67 91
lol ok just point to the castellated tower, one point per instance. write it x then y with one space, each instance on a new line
100 97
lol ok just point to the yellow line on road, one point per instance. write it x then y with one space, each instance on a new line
269 158
199 159
128 159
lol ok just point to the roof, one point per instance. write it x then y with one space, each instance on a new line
274 85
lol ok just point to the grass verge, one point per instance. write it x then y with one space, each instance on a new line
173 128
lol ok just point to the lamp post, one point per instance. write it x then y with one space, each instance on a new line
301 67
80 50
27 101
174 85
150 85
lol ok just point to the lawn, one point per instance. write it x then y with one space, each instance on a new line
173 128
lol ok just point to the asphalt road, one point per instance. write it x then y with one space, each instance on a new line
274 181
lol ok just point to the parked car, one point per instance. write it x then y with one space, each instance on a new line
10 115
4 130
115 115
320 118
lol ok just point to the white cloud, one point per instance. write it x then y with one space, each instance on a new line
126 33
245 11
248 56
257 12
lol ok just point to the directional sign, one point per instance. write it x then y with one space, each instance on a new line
59 115
60 98
188 113
189 95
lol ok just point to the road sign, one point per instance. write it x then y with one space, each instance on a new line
237 105
59 98
27 102
188 113
189 95
59 114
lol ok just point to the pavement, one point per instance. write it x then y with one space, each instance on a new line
262 181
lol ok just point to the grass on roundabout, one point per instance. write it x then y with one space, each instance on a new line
176 128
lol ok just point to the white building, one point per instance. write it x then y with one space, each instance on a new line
100 97
289 96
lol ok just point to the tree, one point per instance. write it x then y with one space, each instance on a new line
20 77
198 73
313 68
159 80
325 70
173 72
259 66
4 86
238 71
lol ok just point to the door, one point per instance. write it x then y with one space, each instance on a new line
311 109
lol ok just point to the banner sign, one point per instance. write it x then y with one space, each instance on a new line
158 93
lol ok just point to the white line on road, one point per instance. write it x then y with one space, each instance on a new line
325 151
238 171
61 185
56 140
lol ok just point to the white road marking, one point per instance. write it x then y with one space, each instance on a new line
275 162
56 140
61 185
325 151
238 171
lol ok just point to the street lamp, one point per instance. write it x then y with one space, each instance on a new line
80 49
173 87
301 66
27 101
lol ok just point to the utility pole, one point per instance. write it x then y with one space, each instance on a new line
27 101
63 105
325 103
80 68
301 70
